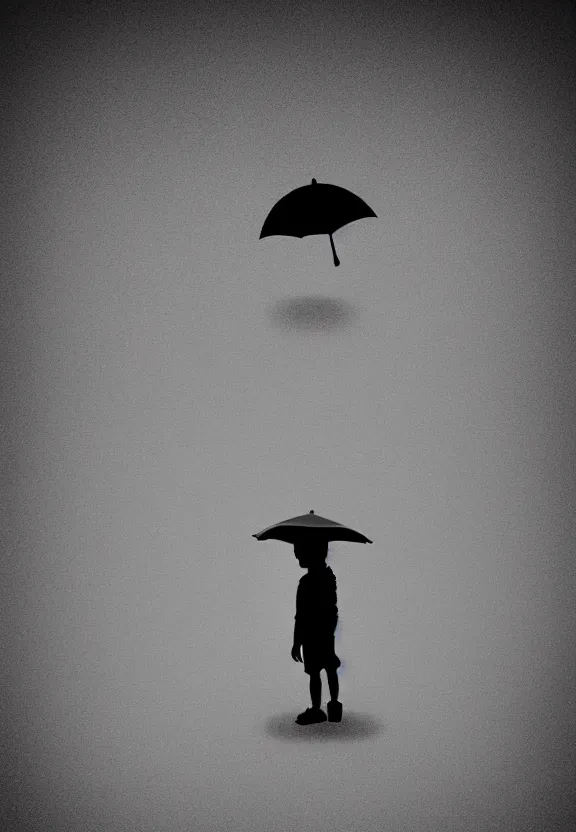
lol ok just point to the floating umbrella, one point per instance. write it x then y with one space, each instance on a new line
310 525
315 209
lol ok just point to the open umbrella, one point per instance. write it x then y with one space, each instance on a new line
310 525
315 209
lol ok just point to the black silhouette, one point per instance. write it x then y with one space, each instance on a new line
316 605
315 209
314 627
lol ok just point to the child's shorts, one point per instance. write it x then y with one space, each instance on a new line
319 653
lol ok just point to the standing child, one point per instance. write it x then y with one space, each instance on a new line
315 624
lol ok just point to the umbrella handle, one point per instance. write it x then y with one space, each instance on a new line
336 261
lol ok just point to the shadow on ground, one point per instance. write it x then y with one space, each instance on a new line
354 726
312 314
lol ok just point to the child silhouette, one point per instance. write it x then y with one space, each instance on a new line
315 624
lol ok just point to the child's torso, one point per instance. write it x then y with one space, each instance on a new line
316 599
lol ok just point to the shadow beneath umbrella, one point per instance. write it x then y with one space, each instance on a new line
354 726
312 314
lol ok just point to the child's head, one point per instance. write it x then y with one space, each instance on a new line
311 552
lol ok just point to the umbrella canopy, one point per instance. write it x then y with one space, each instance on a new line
315 209
310 525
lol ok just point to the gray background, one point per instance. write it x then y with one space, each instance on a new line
172 385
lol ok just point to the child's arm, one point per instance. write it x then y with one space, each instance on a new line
298 628
296 654
297 633
297 644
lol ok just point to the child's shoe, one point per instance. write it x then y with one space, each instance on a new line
311 715
334 711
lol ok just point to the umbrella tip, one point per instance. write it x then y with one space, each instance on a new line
311 511
314 183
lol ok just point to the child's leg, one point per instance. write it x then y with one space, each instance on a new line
333 684
315 689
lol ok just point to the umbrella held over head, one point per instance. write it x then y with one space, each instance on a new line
307 526
315 209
